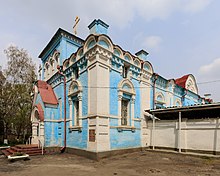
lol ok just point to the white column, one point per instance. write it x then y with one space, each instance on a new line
179 133
80 108
119 108
132 110
153 133
71 111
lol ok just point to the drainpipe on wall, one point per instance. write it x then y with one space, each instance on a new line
155 76
64 81
183 96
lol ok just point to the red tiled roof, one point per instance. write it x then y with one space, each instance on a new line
46 92
182 81
40 111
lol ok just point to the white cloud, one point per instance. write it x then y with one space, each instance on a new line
196 5
152 42
208 77
116 12
210 71
27 23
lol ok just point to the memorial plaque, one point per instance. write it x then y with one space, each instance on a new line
91 135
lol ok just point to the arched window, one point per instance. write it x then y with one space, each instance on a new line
117 53
160 100
125 70
52 66
75 103
56 58
177 103
126 100
104 44
147 66
137 62
46 70
91 44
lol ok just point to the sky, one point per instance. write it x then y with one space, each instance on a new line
181 36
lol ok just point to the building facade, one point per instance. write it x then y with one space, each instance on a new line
95 99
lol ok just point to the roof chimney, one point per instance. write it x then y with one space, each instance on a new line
98 27
142 54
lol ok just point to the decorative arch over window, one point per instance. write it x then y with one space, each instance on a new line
160 100
37 113
47 65
56 56
37 120
66 64
73 58
74 88
177 102
118 51
128 57
126 101
52 64
46 70
137 62
105 42
89 42
191 84
126 86
75 105
79 53
148 67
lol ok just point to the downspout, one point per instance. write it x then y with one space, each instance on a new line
183 96
64 81
154 87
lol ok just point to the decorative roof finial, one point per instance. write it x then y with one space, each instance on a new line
75 25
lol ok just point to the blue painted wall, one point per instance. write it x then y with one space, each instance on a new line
84 81
124 139
78 139
137 109
115 78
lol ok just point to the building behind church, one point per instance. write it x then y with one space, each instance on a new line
107 90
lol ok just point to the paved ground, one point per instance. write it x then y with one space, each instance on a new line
134 164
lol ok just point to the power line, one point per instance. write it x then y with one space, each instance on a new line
207 82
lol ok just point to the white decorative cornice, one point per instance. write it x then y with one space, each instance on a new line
145 75
98 50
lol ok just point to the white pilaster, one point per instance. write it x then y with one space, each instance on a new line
132 110
71 111
119 107
80 108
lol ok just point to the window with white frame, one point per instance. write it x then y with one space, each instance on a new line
126 100
160 101
125 71
125 111
75 103
76 112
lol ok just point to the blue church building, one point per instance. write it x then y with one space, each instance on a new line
91 94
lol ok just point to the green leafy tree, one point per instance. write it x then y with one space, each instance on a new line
16 102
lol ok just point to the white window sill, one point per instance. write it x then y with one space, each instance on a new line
125 128
75 128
